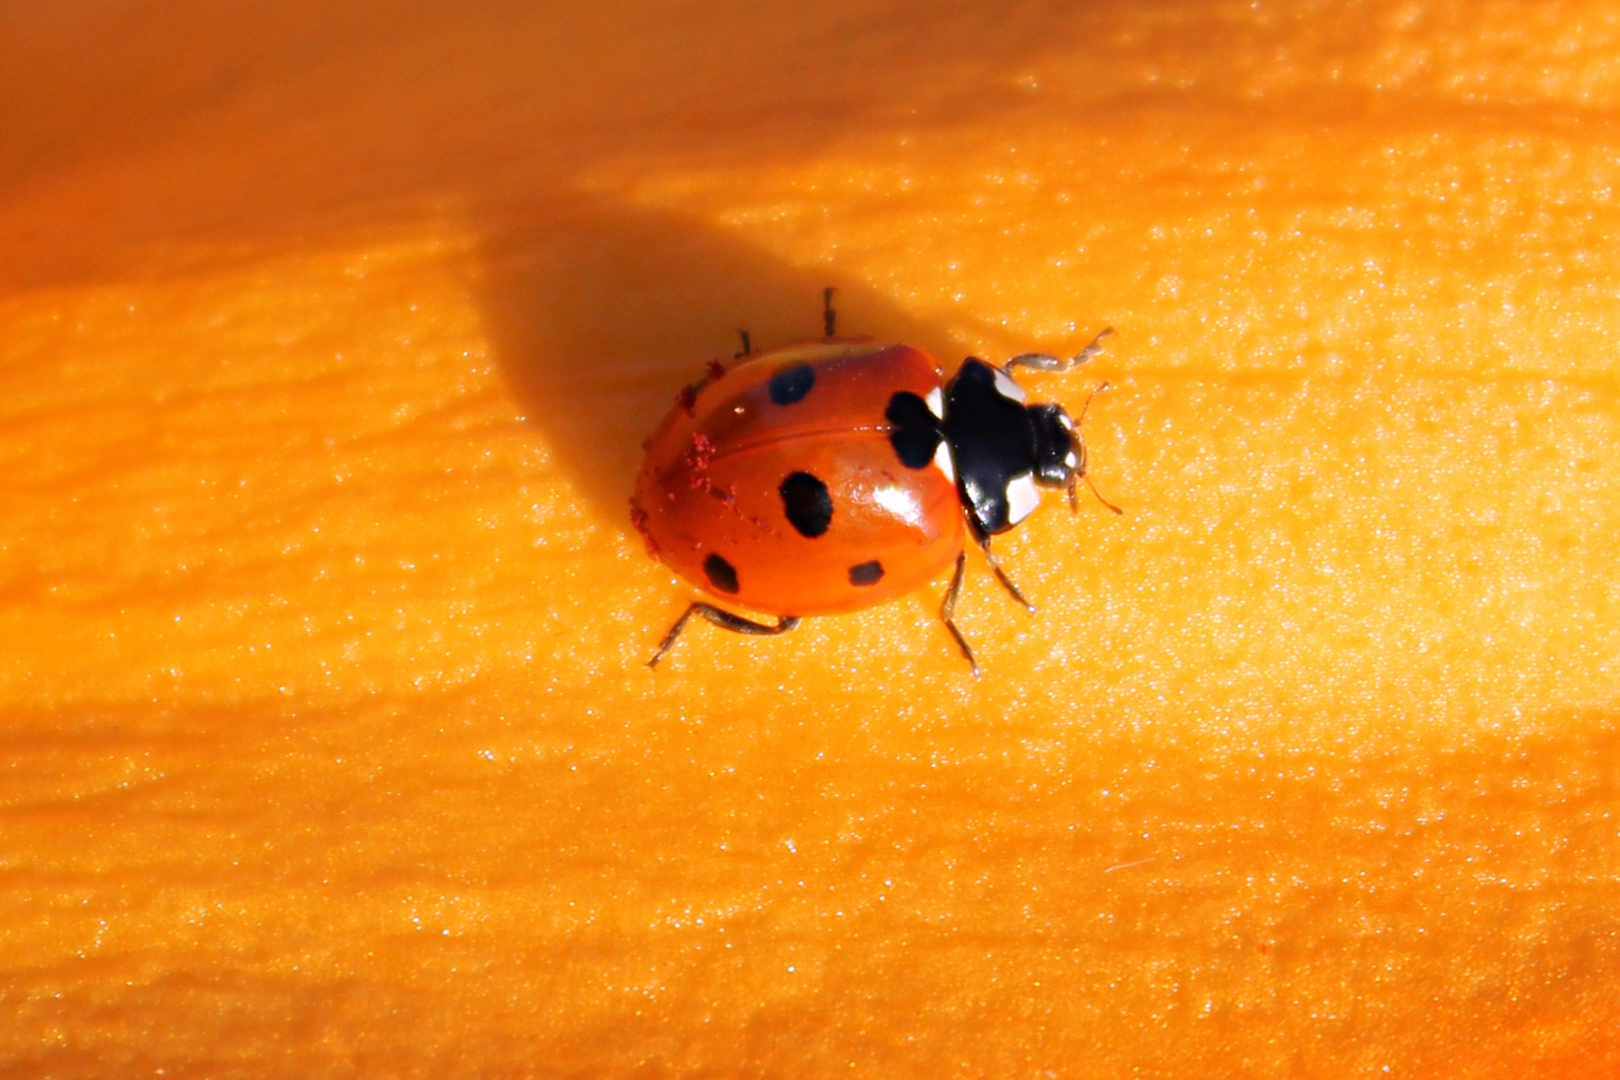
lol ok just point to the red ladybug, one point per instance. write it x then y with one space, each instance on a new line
829 476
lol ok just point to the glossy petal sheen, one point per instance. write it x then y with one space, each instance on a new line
329 336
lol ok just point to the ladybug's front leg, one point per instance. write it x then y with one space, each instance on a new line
1048 362
723 619
1001 575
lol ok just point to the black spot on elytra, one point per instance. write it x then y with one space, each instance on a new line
807 504
916 431
866 573
722 575
790 384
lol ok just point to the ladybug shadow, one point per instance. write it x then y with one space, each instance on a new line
598 315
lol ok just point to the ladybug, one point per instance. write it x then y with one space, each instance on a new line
831 475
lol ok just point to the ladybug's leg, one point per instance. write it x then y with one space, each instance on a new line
723 619
1001 576
829 317
747 346
948 609
1048 362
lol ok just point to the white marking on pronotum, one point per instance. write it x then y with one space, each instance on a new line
943 462
1007 388
936 403
1022 498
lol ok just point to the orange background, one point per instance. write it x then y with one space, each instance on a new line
328 338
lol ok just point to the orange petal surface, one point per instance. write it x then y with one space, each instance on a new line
328 339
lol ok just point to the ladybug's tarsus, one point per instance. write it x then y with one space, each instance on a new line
726 621
948 609
829 317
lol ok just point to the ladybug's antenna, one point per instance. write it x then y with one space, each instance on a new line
829 317
1080 449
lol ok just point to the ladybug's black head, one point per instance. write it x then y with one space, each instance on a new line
1055 448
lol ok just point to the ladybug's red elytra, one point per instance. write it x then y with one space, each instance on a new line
828 476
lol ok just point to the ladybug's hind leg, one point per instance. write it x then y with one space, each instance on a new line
948 609
726 621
